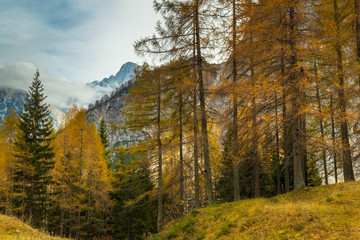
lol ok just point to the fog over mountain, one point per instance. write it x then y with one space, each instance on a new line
61 93
16 78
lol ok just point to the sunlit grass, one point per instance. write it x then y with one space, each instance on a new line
12 228
325 212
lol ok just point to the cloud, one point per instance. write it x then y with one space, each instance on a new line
76 40
60 93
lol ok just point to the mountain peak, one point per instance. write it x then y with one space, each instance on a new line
125 74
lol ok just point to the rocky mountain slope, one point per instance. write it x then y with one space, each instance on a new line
15 98
110 107
11 98
125 73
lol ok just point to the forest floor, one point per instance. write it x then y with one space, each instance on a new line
12 228
324 212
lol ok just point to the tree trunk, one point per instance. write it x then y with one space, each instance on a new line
23 193
181 152
278 171
71 205
160 186
205 141
286 126
196 153
235 107
196 129
296 135
304 144
62 210
346 151
357 33
78 227
321 124
256 160
333 137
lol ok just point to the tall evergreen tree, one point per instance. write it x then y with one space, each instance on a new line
133 211
103 133
104 136
34 155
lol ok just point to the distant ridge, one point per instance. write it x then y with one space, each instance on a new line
125 74
15 98
11 98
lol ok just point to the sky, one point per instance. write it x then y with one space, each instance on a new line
71 42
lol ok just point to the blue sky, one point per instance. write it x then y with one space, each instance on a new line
71 42
75 40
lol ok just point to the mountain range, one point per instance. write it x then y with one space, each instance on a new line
125 73
15 98
110 108
10 97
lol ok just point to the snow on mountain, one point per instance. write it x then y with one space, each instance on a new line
10 97
125 73
57 115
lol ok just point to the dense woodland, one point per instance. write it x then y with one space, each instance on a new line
280 112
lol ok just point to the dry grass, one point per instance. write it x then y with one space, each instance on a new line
12 228
325 212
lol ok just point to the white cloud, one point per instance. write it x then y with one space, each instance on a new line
84 41
60 93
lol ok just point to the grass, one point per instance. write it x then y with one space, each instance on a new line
325 212
12 228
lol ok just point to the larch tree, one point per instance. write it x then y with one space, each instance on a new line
9 128
82 179
334 24
144 114
185 34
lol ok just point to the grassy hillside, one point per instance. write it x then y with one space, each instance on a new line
325 212
12 228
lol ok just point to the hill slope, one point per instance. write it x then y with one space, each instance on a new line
325 212
13 228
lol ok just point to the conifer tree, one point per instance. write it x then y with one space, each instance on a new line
35 154
133 210
184 33
103 133
144 114
104 136
82 180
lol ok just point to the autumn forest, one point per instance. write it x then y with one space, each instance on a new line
248 99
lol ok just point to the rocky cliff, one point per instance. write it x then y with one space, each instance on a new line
125 74
110 107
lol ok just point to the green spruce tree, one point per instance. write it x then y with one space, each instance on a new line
104 136
133 212
34 155
225 186
103 133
